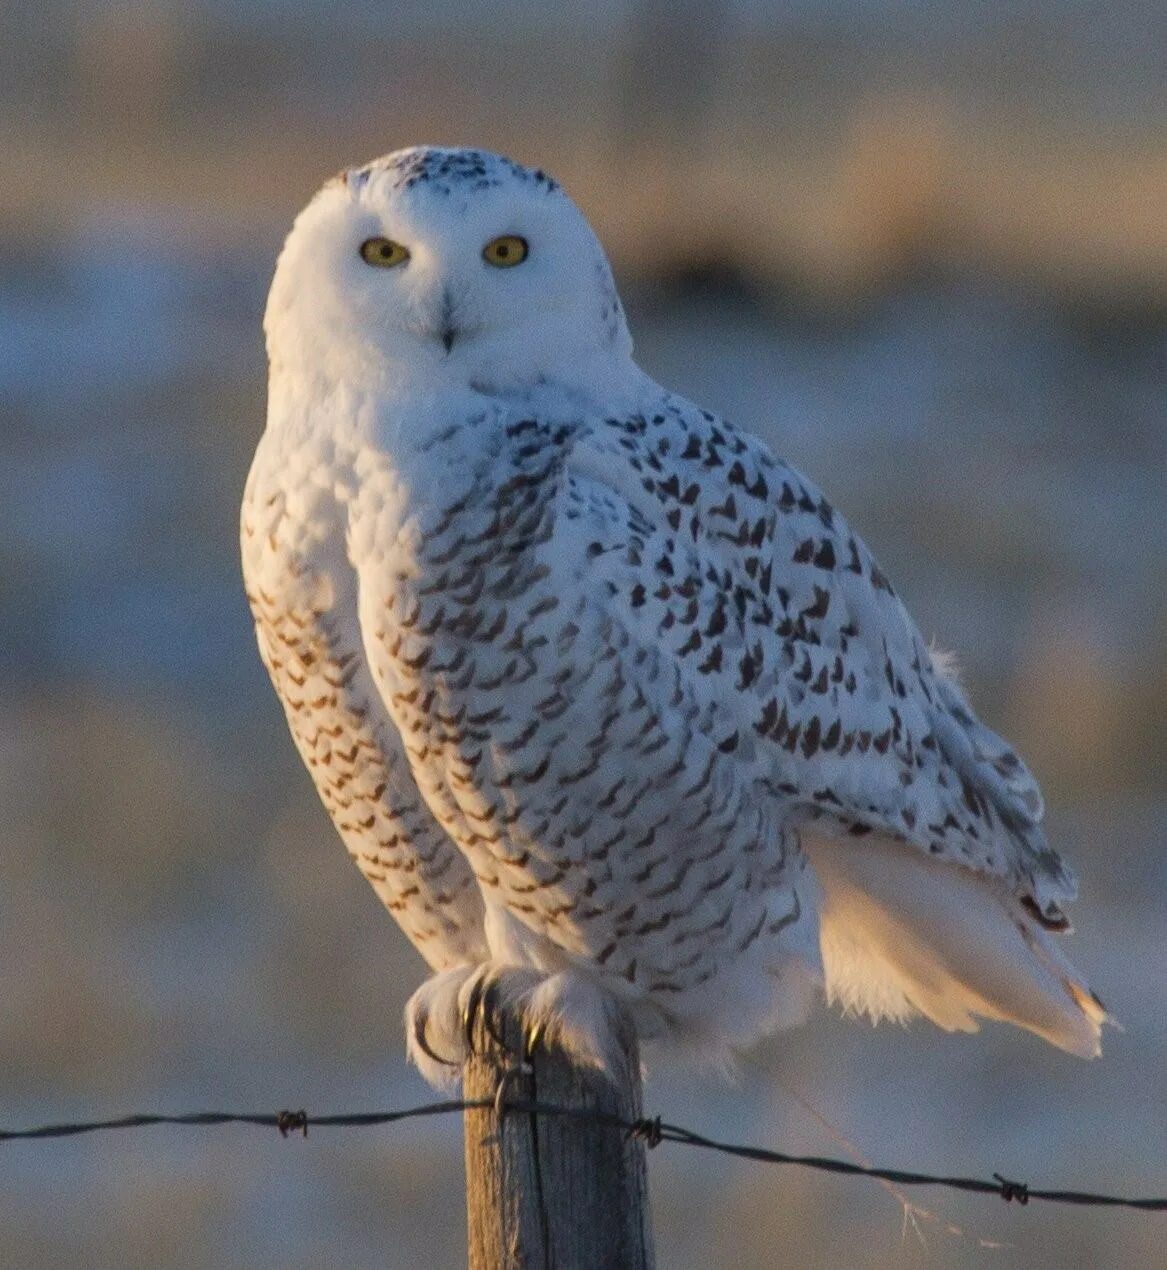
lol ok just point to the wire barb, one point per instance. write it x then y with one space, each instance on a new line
652 1131
1011 1191
648 1131
290 1121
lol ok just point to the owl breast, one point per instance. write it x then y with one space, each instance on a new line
570 762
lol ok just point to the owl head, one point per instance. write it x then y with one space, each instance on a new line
448 263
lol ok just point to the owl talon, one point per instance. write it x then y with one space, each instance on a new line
532 1038
421 1020
490 1013
482 1002
470 1012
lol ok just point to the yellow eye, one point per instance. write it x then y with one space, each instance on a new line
505 252
384 253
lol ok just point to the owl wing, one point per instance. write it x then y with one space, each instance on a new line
303 596
767 597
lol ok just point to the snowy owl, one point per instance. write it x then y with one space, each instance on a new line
608 703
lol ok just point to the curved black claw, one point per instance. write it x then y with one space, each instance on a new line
470 1011
532 1038
483 1001
421 1019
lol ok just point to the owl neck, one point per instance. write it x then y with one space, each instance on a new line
416 376
402 403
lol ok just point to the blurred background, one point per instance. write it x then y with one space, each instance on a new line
920 247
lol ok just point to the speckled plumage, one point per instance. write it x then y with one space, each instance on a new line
603 698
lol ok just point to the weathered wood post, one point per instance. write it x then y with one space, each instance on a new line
547 1192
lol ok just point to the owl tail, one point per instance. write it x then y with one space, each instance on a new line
904 934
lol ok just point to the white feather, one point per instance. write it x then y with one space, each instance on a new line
904 935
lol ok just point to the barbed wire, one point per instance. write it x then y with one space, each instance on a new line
651 1130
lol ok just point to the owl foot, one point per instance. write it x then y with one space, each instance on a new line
480 1000
492 991
573 1013
433 1040
569 1011
441 1016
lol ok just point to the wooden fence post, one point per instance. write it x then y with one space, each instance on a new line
550 1192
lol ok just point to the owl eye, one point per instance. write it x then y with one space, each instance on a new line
383 253
505 252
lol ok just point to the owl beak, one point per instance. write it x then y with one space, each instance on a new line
448 332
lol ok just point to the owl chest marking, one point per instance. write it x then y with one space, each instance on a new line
472 597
